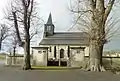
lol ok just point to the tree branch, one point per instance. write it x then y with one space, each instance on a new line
108 9
17 30
84 11
30 12
92 4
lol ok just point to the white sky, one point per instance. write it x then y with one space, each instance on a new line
61 15
3 3
58 8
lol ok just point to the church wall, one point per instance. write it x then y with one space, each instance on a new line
87 51
77 56
58 47
40 58
65 47
50 52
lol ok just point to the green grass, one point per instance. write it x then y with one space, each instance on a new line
55 68
2 57
48 67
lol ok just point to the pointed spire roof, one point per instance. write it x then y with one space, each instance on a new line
49 19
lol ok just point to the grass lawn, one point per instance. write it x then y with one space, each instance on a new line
47 67
53 68
2 57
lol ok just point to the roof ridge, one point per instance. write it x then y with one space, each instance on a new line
70 32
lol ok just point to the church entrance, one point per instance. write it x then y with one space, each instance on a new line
62 62
61 53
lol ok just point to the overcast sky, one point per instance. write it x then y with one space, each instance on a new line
61 16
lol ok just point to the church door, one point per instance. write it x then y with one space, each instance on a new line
61 53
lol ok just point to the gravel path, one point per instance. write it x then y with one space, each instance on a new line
15 74
2 62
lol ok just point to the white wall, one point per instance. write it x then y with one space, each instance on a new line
41 58
58 47
86 51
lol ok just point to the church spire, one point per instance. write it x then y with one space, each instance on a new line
49 27
49 19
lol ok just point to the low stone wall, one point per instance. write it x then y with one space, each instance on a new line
15 60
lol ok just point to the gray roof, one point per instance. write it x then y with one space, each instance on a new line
68 35
42 47
66 38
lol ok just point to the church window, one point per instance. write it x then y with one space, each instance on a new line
39 52
61 53
68 51
55 51
50 49
44 51
78 50
48 28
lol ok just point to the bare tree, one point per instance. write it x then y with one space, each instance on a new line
3 33
94 15
24 15
14 46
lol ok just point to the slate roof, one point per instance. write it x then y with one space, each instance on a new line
42 47
66 38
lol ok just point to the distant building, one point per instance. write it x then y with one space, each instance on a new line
60 48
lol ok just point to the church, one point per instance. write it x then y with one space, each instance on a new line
60 48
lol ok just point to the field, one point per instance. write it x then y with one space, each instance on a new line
112 64
2 57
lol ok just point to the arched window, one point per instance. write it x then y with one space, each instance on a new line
61 53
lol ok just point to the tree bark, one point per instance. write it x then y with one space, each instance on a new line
14 52
27 57
96 45
25 44
97 36
96 63
0 45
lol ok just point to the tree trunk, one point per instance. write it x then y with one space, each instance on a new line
96 56
14 58
97 37
27 64
0 45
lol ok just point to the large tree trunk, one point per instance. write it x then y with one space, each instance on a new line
97 42
96 56
97 37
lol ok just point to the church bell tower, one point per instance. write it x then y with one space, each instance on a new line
49 27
